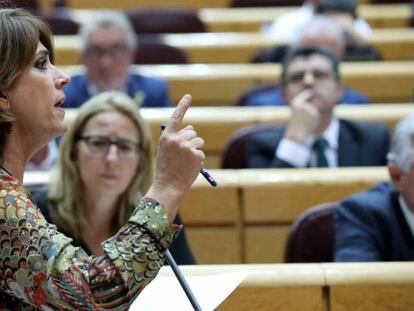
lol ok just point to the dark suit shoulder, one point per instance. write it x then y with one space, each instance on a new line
361 129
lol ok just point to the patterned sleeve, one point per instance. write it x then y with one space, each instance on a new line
40 267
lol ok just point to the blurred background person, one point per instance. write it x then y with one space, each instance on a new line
344 12
105 166
313 137
321 32
378 225
108 45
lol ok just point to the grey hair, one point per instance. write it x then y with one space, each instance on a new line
322 25
107 18
401 151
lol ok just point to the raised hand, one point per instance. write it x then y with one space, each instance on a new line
305 117
179 160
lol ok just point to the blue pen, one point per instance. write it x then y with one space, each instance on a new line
203 171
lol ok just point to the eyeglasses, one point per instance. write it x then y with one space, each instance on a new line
318 74
116 52
99 145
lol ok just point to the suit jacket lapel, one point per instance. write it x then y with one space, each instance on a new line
348 146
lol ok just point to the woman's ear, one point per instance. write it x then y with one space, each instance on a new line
4 103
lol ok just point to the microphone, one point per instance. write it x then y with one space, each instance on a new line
183 282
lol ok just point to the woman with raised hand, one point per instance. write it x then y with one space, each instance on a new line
39 267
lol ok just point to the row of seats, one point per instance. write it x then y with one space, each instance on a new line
221 126
248 217
124 4
316 287
185 20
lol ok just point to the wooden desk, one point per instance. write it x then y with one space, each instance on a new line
334 286
239 47
216 125
129 4
220 84
212 219
370 286
251 19
256 205
273 199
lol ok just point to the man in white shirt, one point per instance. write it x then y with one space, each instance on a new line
291 24
313 137
378 225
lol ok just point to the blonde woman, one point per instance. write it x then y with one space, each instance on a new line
105 166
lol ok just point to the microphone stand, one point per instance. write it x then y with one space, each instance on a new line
183 282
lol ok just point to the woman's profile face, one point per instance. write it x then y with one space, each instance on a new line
36 97
108 153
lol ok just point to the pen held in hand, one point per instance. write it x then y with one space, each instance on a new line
203 171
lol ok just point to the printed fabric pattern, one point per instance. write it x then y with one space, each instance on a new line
40 269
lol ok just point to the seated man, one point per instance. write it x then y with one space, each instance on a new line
289 25
108 44
321 32
313 136
378 225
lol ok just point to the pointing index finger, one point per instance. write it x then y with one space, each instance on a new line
175 122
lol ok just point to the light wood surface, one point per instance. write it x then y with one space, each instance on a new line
247 217
363 286
240 47
216 125
128 4
251 19
221 84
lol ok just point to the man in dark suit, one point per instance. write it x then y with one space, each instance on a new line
313 137
378 225
108 44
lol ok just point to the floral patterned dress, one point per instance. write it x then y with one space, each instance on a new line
40 269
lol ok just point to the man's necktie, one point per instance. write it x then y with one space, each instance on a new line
319 147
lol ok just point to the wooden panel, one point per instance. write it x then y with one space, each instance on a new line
370 286
233 47
280 195
296 298
217 124
265 244
215 245
251 19
220 84
128 4
372 298
208 205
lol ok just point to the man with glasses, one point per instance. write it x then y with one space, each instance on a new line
313 137
108 44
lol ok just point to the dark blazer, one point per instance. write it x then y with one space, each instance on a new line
370 226
179 249
274 97
146 91
359 144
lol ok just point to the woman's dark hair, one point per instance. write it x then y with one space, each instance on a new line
19 37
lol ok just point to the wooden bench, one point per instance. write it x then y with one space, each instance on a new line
125 4
216 125
272 199
247 217
220 84
251 19
335 286
239 47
